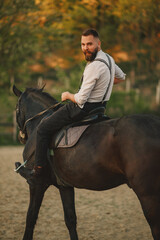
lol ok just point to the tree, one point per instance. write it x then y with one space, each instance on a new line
17 38
47 33
139 30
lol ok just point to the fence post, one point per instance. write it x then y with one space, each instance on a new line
158 93
128 85
130 80
137 94
14 127
132 76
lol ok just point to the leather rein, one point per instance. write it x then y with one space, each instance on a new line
22 132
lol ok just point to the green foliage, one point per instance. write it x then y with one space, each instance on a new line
70 79
17 38
122 103
7 140
7 106
139 30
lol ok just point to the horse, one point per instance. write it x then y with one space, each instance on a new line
110 153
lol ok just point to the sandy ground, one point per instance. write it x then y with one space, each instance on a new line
107 215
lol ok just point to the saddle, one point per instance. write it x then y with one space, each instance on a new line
69 135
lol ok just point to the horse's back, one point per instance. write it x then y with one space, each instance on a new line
148 125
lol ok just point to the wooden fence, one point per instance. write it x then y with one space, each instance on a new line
9 128
130 80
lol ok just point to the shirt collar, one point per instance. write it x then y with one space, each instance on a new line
99 53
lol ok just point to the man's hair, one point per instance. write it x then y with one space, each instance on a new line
92 32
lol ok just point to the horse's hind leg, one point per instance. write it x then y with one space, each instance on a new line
36 197
151 208
67 196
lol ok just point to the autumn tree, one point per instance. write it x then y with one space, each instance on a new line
139 32
47 33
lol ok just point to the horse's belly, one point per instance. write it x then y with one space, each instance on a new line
87 174
97 182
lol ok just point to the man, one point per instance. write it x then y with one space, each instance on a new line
95 91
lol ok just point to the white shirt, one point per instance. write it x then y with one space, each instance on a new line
96 78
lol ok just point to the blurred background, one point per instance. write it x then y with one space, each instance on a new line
40 43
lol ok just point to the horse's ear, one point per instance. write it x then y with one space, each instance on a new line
43 87
16 91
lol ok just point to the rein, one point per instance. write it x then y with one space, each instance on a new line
22 132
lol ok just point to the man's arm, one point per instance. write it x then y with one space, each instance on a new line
68 96
119 75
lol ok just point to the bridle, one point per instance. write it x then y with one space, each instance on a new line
22 132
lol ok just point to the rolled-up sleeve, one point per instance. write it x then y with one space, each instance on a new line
119 73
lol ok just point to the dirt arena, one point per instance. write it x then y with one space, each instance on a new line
107 215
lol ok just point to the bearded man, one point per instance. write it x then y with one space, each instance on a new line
98 78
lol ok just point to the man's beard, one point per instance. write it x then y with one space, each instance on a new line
91 56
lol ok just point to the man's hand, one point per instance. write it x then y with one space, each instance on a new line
116 80
67 96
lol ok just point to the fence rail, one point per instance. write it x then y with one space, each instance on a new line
9 125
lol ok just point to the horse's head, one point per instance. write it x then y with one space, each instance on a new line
20 116
30 102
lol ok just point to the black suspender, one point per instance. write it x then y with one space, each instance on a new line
102 60
110 67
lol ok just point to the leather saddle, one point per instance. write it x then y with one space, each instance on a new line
94 116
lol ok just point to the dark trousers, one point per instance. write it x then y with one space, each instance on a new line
64 116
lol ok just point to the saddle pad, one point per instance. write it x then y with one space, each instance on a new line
71 137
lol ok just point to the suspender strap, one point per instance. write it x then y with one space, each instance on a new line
81 81
110 67
102 60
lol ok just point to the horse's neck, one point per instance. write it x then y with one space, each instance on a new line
31 112
35 102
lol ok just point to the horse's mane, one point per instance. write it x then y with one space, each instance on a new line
42 97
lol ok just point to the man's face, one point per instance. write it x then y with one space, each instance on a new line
90 46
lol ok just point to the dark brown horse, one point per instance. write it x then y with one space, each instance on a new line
110 153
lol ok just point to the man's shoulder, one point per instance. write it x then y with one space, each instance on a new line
96 66
102 58
104 55
101 55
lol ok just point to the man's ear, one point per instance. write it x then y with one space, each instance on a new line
16 91
99 45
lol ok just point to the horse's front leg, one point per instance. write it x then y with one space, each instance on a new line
36 197
67 196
